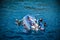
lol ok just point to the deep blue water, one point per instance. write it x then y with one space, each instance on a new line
12 9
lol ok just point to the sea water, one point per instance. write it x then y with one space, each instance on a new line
17 9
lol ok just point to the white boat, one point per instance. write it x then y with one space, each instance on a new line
25 21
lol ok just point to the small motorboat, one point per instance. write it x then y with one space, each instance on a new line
27 24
